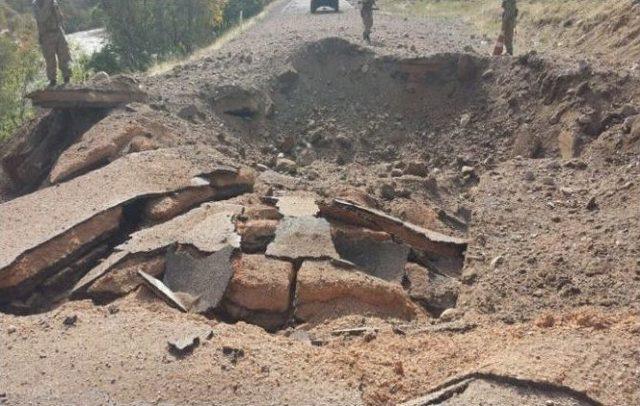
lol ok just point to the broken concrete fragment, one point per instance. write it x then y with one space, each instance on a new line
297 206
116 92
123 277
378 256
202 276
162 291
324 291
435 292
303 238
261 284
208 228
417 237
183 346
257 234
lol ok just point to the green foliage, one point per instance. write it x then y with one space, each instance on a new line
20 65
144 31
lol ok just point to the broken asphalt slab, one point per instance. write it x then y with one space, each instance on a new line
113 93
303 238
39 230
416 237
204 277
208 229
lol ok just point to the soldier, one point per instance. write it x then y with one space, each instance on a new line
509 15
366 12
52 40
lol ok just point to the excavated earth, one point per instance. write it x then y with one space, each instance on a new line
295 217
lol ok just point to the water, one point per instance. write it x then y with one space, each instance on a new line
88 42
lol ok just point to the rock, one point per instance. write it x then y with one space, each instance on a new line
288 79
70 320
592 204
465 120
123 277
100 77
183 346
234 354
417 168
286 165
306 157
354 332
191 113
325 291
246 103
468 170
451 314
545 321
435 292
298 205
286 143
628 110
387 191
11 329
529 176
164 208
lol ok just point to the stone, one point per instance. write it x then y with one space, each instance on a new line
417 168
190 112
387 191
451 314
162 291
164 208
416 237
465 120
123 277
286 165
324 291
303 238
70 321
592 204
434 292
183 346
261 285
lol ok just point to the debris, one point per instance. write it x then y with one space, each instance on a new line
116 92
324 291
297 205
357 331
378 257
303 238
70 320
433 291
183 346
162 291
451 314
592 204
234 354
416 237
203 277
208 228
286 165
256 235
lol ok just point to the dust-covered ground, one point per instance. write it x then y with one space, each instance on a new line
532 161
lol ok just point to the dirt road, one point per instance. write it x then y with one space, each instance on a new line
492 213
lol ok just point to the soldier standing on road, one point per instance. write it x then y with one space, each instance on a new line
366 12
52 41
509 16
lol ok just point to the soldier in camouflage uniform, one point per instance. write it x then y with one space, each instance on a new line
509 16
366 12
52 41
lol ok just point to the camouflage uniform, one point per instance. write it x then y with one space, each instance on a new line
366 12
51 37
509 16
